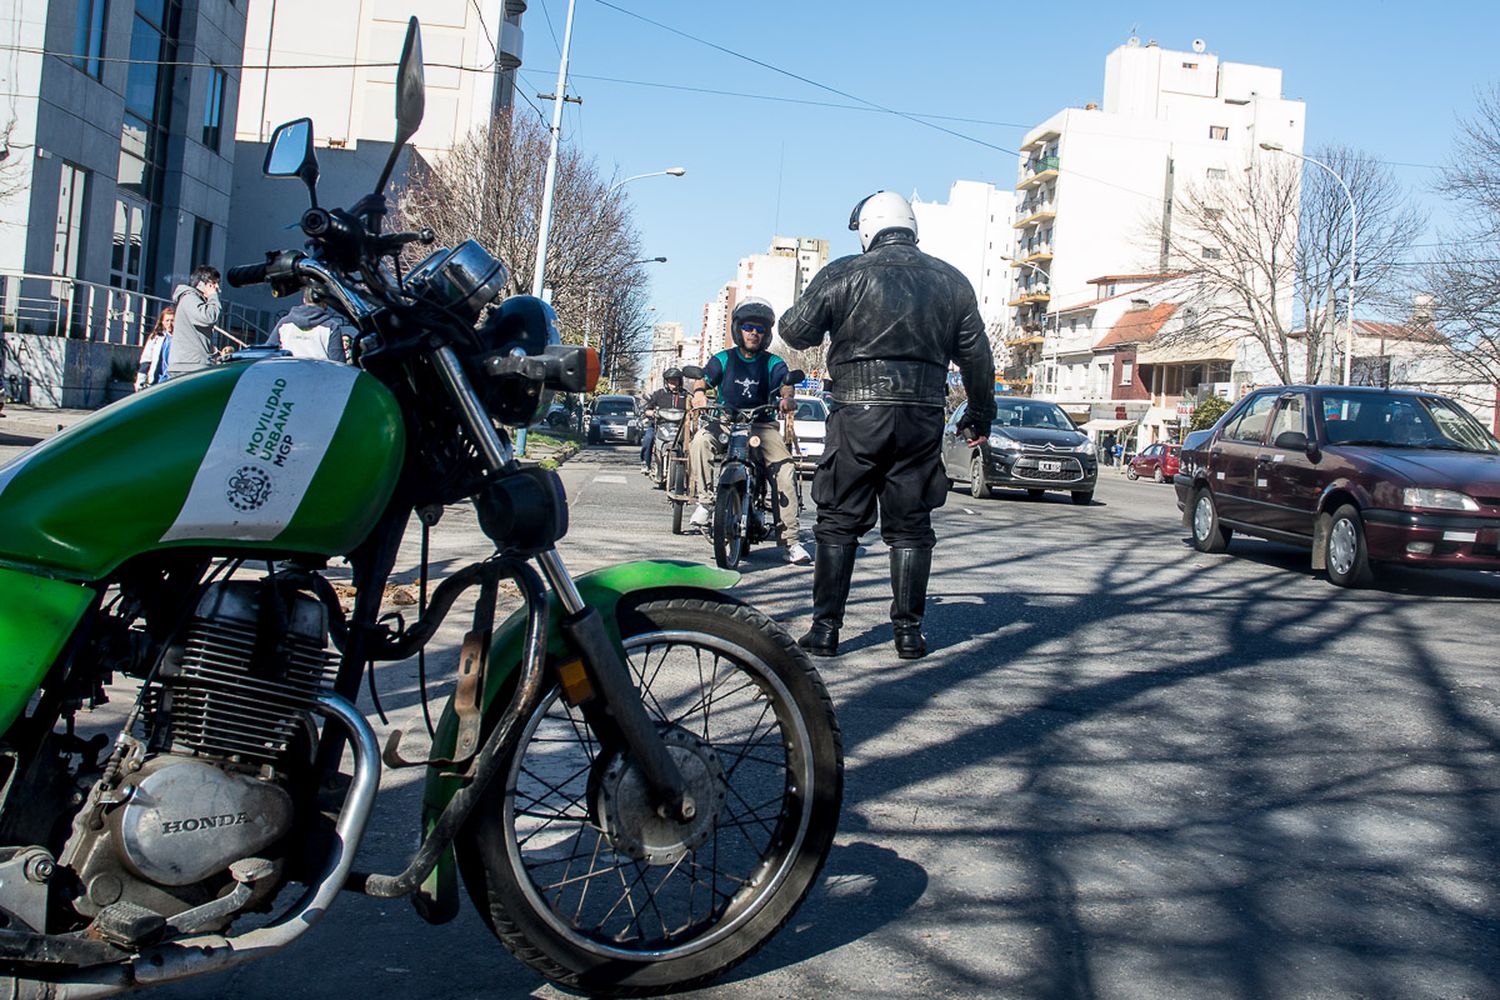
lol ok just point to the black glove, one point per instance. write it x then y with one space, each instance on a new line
973 430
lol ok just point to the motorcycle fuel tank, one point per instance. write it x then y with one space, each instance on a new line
284 455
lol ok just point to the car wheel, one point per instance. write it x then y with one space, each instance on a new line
1208 534
1131 474
1082 498
978 488
1156 476
1036 494
1347 555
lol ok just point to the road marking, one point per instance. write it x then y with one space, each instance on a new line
609 479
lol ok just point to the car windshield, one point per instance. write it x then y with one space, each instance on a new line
614 407
1031 413
811 409
1402 422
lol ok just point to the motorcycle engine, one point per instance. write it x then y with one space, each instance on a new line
224 720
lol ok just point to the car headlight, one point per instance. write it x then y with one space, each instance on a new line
632 424
1004 443
1087 448
1416 496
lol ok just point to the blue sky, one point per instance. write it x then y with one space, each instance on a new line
1390 79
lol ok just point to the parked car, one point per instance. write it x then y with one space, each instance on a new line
1158 462
615 418
1032 446
1361 476
811 423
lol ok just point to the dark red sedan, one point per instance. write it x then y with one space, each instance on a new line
1360 476
1158 462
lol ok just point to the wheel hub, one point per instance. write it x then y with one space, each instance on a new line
1341 547
1202 517
631 821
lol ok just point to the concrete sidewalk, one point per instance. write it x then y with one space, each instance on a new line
20 421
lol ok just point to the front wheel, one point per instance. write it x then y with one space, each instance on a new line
1347 556
1082 498
1208 534
1131 474
978 488
569 863
677 506
731 516
1156 476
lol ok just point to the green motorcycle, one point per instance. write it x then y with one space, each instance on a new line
637 777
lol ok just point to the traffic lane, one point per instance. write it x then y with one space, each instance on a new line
1178 773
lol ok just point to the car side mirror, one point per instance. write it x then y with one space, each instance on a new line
1291 441
291 154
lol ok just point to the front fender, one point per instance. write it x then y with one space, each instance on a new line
604 589
734 472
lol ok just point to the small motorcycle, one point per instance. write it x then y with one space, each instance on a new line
637 777
744 510
668 428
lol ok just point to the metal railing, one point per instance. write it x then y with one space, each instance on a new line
57 305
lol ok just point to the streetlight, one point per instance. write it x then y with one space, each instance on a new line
1276 147
673 171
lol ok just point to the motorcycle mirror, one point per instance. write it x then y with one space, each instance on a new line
692 371
796 376
291 154
411 97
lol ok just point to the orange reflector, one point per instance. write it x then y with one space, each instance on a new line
755 441
591 370
575 682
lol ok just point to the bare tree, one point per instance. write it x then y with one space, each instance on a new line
489 188
1465 279
1270 249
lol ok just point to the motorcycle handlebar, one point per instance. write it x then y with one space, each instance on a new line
247 274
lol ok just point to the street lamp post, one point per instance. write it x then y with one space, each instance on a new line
670 171
1276 147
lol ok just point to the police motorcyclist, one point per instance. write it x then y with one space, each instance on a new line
895 317
745 377
671 396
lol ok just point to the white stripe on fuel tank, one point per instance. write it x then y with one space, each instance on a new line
273 435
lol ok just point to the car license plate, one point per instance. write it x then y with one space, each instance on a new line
1047 466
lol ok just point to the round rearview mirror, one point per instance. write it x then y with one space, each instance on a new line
692 371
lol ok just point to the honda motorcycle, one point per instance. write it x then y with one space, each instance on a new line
637 776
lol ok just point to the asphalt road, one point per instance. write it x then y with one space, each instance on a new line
1126 770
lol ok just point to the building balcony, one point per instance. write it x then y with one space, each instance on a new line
1041 140
1042 214
1026 340
1035 257
1039 172
1040 297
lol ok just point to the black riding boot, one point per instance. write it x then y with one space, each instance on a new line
832 571
909 572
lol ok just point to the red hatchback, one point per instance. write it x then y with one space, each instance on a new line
1158 462
1361 476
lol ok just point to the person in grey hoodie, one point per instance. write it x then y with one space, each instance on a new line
197 305
312 331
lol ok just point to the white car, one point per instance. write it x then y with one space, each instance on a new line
811 425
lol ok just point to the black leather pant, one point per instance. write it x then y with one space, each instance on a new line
885 458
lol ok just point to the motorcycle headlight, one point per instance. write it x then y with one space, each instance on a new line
1001 442
1416 496
463 280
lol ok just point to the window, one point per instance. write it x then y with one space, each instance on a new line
1250 425
1212 253
1217 173
88 36
1288 418
203 237
1189 65
71 189
1218 132
1127 372
213 108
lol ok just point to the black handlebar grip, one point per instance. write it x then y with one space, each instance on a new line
247 274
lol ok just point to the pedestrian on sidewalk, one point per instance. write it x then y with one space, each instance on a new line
156 352
895 317
197 308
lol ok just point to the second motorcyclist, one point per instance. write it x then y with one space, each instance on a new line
750 376
671 396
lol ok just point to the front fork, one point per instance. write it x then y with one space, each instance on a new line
602 658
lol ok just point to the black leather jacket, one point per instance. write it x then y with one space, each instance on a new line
895 317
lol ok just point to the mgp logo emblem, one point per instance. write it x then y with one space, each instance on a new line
249 488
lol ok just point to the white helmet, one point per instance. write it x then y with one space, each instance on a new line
881 211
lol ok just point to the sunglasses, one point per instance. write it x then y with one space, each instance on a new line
753 327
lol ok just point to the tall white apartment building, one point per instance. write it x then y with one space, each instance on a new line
810 253
768 276
972 231
1093 181
668 345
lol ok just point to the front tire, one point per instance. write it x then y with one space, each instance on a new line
677 506
1208 534
1156 476
1082 498
978 488
545 857
1131 474
729 525
1346 554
